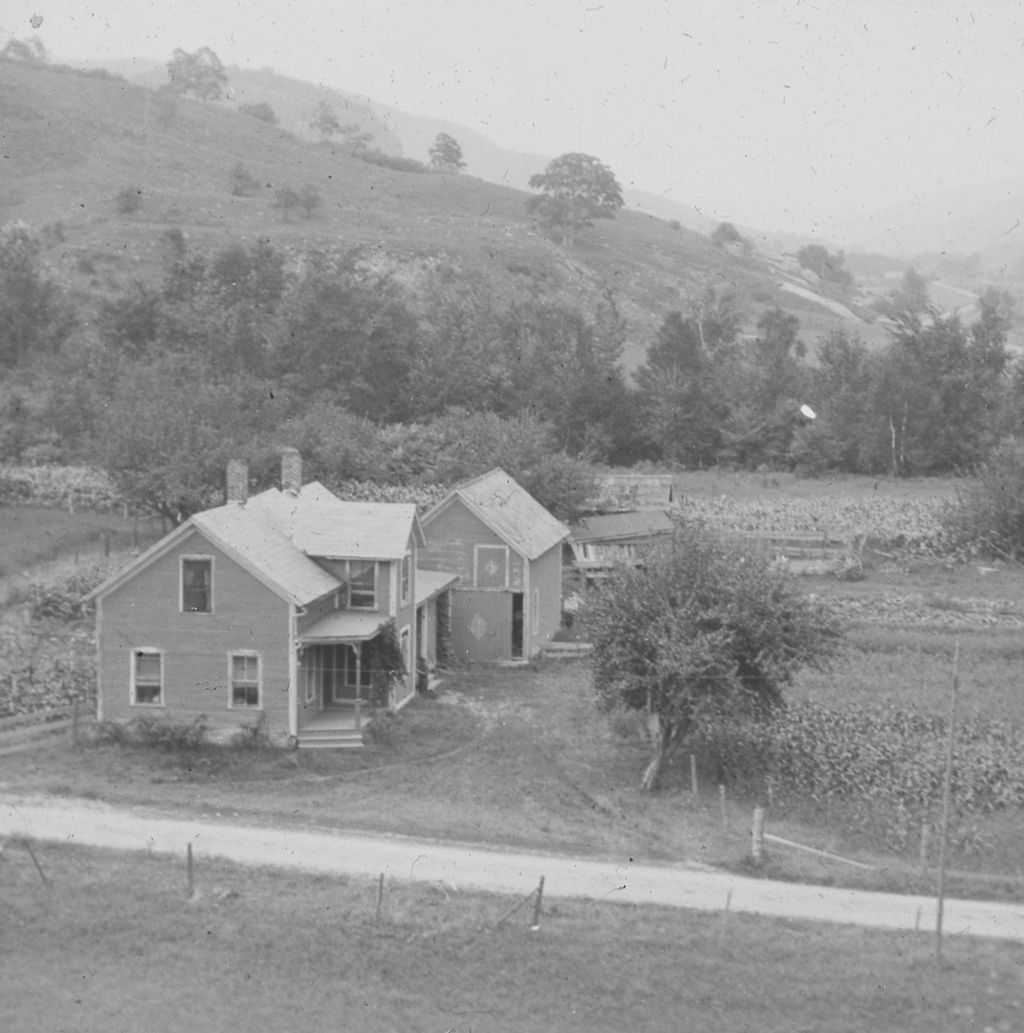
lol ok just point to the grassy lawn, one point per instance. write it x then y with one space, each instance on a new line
114 944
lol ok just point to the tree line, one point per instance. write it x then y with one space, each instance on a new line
244 344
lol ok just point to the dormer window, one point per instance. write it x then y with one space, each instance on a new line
197 584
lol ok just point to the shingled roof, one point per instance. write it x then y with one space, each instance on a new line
321 524
510 511
275 534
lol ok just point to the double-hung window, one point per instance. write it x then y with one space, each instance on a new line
362 584
406 577
147 678
196 584
244 672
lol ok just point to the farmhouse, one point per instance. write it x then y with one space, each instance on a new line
507 551
299 610
292 607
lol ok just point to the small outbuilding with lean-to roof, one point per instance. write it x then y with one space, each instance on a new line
506 549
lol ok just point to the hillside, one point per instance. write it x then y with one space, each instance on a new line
72 140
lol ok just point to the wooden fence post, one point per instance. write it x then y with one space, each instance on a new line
947 782
537 903
693 773
39 867
757 836
380 895
190 870
722 807
74 723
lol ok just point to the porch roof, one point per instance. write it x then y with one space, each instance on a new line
344 626
430 582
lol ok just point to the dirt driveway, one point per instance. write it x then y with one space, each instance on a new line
478 867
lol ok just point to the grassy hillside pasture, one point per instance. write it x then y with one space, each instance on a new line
74 140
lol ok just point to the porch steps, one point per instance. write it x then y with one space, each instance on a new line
330 739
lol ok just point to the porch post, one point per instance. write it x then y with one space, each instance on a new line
293 672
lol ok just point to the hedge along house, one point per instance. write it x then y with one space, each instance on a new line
507 550
291 606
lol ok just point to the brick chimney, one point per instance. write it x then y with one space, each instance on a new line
291 471
237 482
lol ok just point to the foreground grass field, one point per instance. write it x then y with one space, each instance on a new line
113 943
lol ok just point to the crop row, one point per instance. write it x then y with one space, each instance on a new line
74 487
887 762
909 522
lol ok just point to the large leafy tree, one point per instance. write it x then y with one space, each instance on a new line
199 74
446 154
575 190
680 385
703 627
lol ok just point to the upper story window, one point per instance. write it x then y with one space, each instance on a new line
197 584
362 584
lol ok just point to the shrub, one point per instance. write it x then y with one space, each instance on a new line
252 735
166 734
77 487
64 599
128 200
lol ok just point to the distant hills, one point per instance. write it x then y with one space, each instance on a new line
72 140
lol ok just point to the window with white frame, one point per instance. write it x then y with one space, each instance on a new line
244 675
197 584
147 681
362 584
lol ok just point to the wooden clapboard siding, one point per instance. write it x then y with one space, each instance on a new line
546 581
144 612
452 535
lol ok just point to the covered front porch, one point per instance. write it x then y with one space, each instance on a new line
341 678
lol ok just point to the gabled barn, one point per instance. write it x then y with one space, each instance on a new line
507 551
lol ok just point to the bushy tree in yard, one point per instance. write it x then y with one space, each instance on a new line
703 627
199 74
35 319
446 154
576 189
31 51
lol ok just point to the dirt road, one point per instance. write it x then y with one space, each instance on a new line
469 866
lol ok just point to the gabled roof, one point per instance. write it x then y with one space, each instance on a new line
646 523
321 524
274 535
254 541
510 511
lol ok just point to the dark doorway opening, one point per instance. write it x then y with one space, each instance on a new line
517 625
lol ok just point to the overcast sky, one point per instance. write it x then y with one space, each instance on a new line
791 116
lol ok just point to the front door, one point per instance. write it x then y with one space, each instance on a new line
341 672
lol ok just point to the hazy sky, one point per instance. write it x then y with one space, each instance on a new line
779 115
